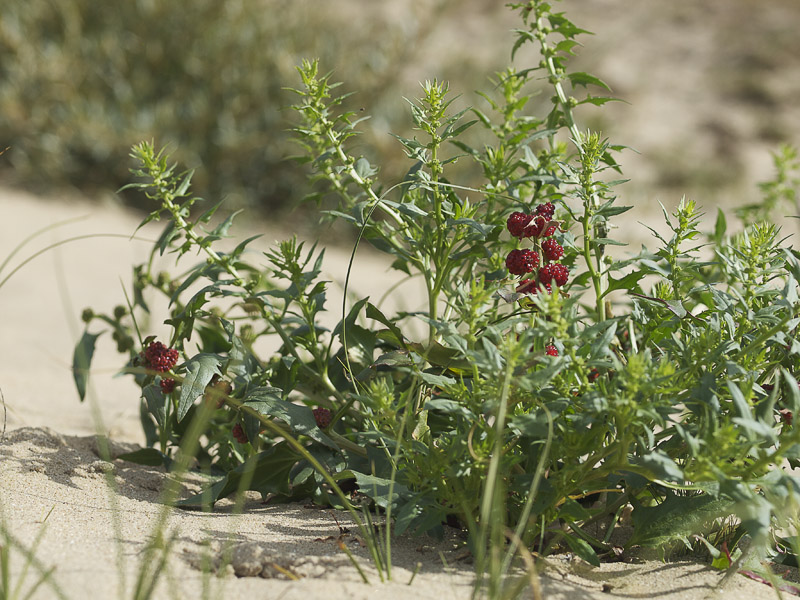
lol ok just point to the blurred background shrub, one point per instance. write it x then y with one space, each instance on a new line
712 87
83 80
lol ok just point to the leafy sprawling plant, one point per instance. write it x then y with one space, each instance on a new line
552 387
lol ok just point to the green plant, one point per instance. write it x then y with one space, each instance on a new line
553 385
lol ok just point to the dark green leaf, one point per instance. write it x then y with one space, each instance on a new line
582 549
267 471
451 407
82 361
199 371
146 456
676 518
156 403
378 488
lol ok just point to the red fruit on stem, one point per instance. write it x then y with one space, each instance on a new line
552 250
517 222
519 262
167 385
546 210
160 358
553 272
550 230
322 416
527 286
535 228
239 434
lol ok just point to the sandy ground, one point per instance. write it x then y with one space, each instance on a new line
53 483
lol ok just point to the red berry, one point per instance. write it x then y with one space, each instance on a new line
552 250
535 228
549 230
167 385
531 286
546 210
322 416
527 286
517 222
519 262
239 434
553 272
551 350
160 358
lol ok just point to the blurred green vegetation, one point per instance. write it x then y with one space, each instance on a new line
83 80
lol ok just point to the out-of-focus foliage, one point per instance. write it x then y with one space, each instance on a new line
82 80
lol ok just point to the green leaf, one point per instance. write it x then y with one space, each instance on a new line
221 230
199 371
582 549
739 401
676 518
184 186
268 472
720 227
451 407
147 456
598 100
378 488
585 79
156 403
298 417
437 380
82 361
661 466
626 282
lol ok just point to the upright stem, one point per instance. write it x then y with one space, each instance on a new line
591 197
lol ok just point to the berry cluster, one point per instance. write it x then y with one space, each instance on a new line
322 416
239 434
167 385
539 227
160 358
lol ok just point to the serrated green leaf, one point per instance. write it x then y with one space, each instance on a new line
199 371
82 361
585 79
598 100
626 282
184 186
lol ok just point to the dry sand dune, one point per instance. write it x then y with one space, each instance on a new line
53 482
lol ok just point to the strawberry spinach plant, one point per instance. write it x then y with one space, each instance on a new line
544 389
